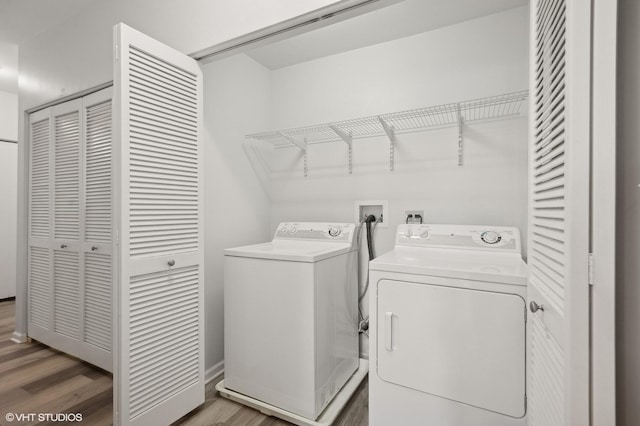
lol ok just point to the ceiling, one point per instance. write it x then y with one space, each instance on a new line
400 20
21 20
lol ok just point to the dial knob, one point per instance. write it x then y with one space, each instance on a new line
490 237
424 234
408 233
283 230
334 231
293 229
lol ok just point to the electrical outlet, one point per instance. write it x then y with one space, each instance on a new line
378 208
414 216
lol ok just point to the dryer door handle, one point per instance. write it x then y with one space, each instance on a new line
388 331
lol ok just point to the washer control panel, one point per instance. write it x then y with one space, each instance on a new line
492 238
339 232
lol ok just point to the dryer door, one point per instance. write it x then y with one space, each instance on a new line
460 344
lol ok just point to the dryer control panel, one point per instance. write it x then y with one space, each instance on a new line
316 231
471 237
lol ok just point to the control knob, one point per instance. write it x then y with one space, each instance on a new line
490 237
335 231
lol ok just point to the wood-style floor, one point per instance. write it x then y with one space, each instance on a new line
37 379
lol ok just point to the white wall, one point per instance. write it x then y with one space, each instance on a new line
237 97
8 192
483 57
8 217
628 216
8 115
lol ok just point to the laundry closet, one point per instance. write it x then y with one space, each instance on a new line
419 110
466 171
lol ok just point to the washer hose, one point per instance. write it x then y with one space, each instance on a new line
371 218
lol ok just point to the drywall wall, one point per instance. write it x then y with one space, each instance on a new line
483 57
8 217
628 216
237 96
8 192
8 115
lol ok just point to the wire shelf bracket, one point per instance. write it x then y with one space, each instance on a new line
306 151
302 145
348 139
460 135
458 114
391 134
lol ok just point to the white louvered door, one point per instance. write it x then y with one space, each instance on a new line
39 269
67 294
70 268
558 385
159 370
97 227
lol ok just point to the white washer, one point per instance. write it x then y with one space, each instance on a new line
291 316
447 328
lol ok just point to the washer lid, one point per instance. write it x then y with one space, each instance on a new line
291 250
508 268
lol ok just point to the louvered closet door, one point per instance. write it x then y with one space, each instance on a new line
67 165
55 289
40 288
70 210
159 372
559 213
97 228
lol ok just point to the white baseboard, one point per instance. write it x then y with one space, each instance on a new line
214 372
18 337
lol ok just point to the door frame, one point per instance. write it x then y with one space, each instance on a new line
603 212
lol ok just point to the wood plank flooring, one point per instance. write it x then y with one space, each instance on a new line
37 379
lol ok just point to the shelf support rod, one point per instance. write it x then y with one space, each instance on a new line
301 145
391 134
460 137
348 139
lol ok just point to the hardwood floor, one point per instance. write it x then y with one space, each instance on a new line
37 379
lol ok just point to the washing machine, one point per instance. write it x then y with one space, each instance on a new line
291 316
448 328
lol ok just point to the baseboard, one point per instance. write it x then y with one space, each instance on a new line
214 372
18 337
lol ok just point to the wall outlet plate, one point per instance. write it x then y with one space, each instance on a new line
375 207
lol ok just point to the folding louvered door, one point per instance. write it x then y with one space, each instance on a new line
70 228
159 370
558 362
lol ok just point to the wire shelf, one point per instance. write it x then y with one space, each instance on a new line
494 107
447 115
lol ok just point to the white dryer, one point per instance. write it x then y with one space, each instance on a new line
447 328
291 316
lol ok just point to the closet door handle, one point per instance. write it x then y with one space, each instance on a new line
94 248
388 331
171 262
63 246
534 307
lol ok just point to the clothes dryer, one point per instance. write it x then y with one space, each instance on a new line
448 328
